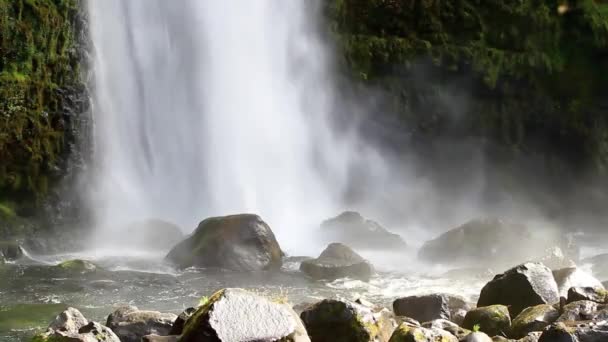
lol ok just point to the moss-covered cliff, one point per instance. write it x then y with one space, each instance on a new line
533 73
42 93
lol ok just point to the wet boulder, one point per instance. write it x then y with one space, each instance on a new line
582 310
523 286
353 229
492 320
131 324
535 318
567 278
343 321
558 332
423 308
10 251
448 326
180 321
237 242
71 325
241 316
477 337
492 242
337 261
151 234
594 294
409 333
77 266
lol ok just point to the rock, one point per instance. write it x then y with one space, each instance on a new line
354 230
238 242
72 326
156 338
476 337
574 277
241 316
598 295
491 242
131 324
592 332
10 251
492 320
341 321
558 333
407 333
180 321
423 308
448 326
523 286
535 318
337 261
77 266
531 337
578 311
152 234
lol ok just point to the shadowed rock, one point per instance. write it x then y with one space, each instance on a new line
337 261
598 295
238 242
492 320
180 321
354 230
523 286
131 324
423 308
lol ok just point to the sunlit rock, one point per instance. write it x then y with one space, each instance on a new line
237 242
131 324
495 243
594 294
535 318
408 333
574 277
583 310
240 316
343 321
338 261
478 337
492 320
448 326
71 325
354 230
523 286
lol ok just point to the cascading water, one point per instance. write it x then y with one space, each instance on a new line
214 107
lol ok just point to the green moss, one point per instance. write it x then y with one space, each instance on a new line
78 265
38 65
28 316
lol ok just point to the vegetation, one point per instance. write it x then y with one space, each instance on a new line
39 81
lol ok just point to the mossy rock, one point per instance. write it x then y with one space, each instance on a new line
337 261
408 333
78 266
534 318
492 320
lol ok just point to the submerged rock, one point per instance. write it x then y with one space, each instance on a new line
523 286
131 324
10 251
237 242
341 321
423 308
492 320
77 266
535 318
491 242
151 234
240 316
337 261
72 326
408 333
567 278
354 230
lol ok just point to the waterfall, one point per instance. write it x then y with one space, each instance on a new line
215 107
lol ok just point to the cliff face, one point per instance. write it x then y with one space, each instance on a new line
42 99
523 81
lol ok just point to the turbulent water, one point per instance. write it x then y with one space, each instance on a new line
209 108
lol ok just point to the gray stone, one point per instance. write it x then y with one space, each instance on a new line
354 230
237 242
131 324
71 325
535 318
476 337
337 261
342 321
582 310
558 333
523 286
567 278
423 308
448 326
593 294
240 316
156 338
407 333
151 234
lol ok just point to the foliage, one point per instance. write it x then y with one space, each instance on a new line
39 67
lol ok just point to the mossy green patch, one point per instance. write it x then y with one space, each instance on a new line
28 316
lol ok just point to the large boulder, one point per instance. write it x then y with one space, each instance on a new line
237 242
354 230
523 286
337 261
492 320
569 277
583 310
423 308
131 324
72 326
535 318
240 316
151 234
342 321
493 242
408 333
